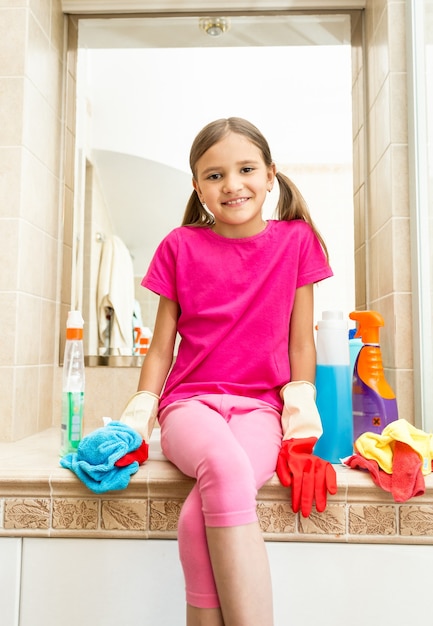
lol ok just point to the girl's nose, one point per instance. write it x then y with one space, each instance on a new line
232 183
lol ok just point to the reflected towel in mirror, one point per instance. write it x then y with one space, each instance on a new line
116 291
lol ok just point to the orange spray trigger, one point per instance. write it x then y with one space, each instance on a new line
369 323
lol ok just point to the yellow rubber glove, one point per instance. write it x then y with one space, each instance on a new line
300 417
141 412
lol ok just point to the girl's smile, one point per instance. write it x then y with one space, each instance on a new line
232 179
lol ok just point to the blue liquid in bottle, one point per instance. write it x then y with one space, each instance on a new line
334 402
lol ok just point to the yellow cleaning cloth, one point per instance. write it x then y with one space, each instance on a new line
380 448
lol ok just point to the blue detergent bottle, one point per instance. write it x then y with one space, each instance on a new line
334 388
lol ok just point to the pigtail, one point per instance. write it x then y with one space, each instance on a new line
292 206
195 214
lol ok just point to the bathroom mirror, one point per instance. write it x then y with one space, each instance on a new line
145 87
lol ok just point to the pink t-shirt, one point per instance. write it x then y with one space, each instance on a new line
235 298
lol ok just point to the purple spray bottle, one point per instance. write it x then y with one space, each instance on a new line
373 401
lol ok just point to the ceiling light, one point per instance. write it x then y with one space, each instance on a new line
214 26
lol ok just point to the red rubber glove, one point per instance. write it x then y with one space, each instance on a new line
141 454
310 477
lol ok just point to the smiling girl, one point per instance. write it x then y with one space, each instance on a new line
239 398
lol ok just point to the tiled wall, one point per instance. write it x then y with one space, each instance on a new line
382 238
31 169
37 113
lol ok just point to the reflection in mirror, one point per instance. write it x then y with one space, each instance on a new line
145 87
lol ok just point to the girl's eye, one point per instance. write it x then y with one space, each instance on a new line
214 176
247 169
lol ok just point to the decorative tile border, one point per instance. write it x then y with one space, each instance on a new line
28 513
55 504
416 521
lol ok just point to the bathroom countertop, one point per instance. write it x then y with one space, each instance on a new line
40 498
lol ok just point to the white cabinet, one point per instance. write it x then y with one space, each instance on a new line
351 584
10 570
114 582
101 582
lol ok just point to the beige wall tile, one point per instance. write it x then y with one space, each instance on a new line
36 191
375 9
30 258
357 180
41 10
372 273
43 138
57 396
9 251
380 205
397 36
12 39
400 180
57 26
70 101
67 229
25 418
362 153
49 267
69 159
43 64
10 312
384 259
398 107
384 304
28 330
401 265
10 181
7 385
37 55
382 129
11 110
361 279
45 405
16 4
381 50
48 349
404 391
53 213
403 331
370 73
359 219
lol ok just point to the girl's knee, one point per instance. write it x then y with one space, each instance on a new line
228 490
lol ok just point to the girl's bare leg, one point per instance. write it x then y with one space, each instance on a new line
203 617
241 570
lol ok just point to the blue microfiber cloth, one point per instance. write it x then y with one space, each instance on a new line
94 461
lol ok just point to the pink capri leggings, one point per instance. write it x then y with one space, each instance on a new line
230 444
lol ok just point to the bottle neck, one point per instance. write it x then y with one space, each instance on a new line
74 334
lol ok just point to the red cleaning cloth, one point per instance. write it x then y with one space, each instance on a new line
406 480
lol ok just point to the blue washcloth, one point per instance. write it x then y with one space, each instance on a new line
94 461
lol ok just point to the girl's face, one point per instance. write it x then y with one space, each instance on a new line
232 179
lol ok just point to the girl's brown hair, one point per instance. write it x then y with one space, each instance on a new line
291 205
